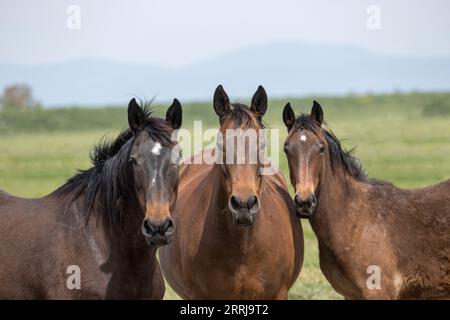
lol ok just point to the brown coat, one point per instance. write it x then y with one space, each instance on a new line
211 258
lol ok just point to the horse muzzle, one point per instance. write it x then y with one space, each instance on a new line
244 211
305 207
158 233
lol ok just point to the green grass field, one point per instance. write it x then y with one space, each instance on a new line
401 138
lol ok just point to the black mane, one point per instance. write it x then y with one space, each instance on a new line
241 115
108 185
338 156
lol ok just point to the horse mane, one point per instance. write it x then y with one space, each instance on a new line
109 184
338 155
242 117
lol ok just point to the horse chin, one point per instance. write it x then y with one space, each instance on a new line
243 224
246 219
305 213
158 240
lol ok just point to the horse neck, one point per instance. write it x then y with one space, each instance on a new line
334 213
122 238
123 247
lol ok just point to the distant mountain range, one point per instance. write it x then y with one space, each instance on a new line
285 69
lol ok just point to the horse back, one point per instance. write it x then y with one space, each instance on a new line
6 197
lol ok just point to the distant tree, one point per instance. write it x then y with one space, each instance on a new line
18 96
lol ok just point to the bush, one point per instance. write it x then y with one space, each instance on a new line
437 107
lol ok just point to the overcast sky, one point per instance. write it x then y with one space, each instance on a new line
173 33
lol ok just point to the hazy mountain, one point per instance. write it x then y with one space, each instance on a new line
283 69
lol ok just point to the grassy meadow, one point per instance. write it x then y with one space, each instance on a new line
403 138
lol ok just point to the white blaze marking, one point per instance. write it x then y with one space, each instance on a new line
156 148
156 151
303 137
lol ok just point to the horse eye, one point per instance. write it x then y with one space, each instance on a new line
321 149
285 148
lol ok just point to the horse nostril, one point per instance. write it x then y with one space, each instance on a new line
298 201
313 200
148 227
251 202
168 226
235 203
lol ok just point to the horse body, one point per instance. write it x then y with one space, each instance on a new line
376 241
39 245
211 258
405 233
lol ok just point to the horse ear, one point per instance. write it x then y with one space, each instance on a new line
317 112
221 102
136 116
174 115
259 102
288 116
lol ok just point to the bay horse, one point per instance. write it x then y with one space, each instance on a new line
87 239
376 241
237 236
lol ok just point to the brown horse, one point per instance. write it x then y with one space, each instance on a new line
376 241
87 239
237 236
